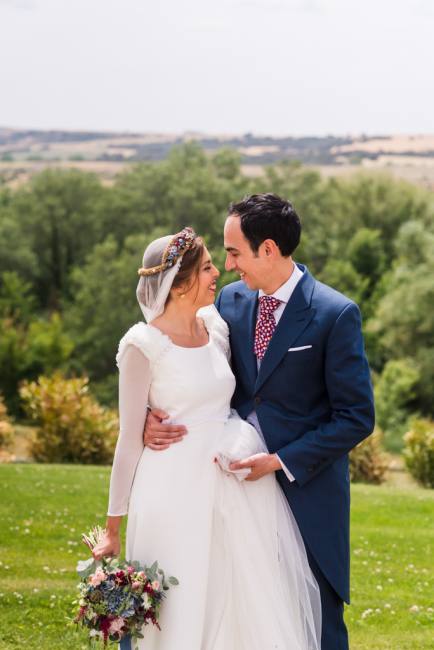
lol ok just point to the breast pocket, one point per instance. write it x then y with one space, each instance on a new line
300 348
300 355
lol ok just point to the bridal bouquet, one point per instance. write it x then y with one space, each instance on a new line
117 598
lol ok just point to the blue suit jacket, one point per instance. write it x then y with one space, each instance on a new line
313 405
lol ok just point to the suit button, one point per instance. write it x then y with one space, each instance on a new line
310 469
257 400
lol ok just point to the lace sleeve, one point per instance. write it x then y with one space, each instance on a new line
134 383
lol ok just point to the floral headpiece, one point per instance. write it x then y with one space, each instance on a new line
175 249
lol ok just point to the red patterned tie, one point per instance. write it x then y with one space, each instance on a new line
265 325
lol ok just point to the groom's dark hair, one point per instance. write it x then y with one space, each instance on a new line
267 216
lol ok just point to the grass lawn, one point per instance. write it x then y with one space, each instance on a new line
44 509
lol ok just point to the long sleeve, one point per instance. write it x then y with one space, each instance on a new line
134 383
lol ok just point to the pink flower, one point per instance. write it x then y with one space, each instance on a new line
136 584
116 625
142 574
98 577
131 569
156 585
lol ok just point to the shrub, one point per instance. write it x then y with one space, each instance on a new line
394 392
6 429
368 463
72 426
419 451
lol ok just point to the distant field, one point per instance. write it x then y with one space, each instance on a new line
419 171
44 508
25 152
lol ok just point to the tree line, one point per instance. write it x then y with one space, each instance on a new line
70 247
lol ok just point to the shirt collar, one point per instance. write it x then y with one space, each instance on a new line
284 292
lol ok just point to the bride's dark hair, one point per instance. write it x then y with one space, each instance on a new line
190 266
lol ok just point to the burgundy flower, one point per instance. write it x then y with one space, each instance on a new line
105 623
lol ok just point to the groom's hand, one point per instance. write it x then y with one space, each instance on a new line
259 464
159 436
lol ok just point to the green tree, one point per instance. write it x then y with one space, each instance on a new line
395 393
57 214
104 303
342 276
366 254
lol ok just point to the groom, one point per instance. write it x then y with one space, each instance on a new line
302 380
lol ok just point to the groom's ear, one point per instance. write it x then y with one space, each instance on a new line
270 247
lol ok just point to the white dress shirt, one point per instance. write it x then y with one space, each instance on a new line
283 294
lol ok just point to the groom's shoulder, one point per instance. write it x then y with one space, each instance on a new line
329 299
236 288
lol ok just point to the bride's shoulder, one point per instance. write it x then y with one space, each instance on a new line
213 321
216 326
149 340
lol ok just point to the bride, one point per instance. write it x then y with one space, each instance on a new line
245 583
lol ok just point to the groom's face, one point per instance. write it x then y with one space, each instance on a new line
252 267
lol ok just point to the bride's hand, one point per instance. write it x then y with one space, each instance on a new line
109 545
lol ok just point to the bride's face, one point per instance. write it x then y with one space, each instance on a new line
207 279
202 292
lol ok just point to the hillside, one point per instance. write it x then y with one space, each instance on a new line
25 152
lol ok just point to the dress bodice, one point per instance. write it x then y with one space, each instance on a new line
191 384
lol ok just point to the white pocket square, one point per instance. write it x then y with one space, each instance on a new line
303 347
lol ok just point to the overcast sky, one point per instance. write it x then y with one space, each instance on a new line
218 66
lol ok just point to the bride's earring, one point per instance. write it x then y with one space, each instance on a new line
182 295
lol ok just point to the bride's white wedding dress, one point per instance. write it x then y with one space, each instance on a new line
245 583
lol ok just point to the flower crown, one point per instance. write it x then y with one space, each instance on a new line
180 244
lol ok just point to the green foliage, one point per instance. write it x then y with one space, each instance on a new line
16 299
366 253
378 202
15 243
404 319
188 188
6 428
226 163
49 347
342 276
368 463
105 300
419 451
395 392
29 349
73 246
72 426
58 221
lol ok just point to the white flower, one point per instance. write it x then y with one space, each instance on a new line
96 633
147 602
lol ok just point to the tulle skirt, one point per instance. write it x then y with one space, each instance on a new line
245 582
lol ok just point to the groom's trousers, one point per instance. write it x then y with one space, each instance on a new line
334 632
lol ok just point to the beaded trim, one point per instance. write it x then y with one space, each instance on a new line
176 248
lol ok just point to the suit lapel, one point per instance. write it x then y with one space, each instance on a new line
245 310
296 317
